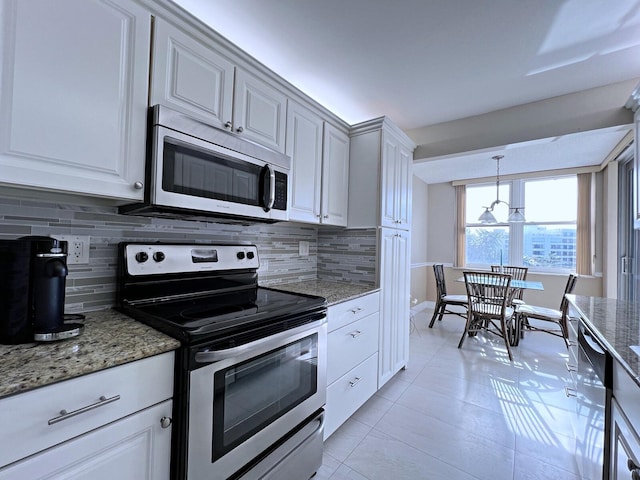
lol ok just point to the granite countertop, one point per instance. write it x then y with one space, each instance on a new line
334 292
617 324
110 338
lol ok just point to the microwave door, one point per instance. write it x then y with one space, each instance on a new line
196 175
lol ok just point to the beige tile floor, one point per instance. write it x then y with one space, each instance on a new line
458 414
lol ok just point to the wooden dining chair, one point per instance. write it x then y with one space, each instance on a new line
558 317
489 308
444 300
517 273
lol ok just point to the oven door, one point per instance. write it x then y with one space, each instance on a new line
247 399
198 175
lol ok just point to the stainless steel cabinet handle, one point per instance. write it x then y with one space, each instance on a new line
64 415
356 310
354 382
570 392
138 185
240 129
355 333
326 216
228 125
165 422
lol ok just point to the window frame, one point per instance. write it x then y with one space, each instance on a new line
516 230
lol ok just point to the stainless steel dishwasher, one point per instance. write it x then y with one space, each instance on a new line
594 383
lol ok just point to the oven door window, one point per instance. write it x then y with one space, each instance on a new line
191 171
250 395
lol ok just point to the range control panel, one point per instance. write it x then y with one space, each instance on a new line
157 258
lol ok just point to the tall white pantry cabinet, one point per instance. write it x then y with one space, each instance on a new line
382 155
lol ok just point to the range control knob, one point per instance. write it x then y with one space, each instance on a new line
142 257
250 255
240 255
158 256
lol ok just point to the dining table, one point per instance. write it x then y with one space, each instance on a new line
516 324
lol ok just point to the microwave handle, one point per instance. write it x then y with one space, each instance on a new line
269 179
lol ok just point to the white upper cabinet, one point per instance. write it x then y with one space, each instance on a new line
73 101
396 183
335 177
320 168
259 111
380 182
192 77
304 146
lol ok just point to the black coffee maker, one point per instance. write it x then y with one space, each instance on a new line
34 272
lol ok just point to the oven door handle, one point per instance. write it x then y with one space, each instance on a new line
267 343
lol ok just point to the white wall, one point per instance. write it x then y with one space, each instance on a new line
419 229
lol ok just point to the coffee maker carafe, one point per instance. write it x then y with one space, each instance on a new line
32 305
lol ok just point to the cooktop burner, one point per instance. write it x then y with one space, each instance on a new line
201 292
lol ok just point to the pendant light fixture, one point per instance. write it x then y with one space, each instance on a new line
487 216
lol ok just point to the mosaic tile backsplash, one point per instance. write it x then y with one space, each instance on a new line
334 254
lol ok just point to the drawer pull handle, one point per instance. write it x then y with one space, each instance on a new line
571 368
570 392
355 333
354 382
64 415
356 310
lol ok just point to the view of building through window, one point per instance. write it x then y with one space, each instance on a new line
547 240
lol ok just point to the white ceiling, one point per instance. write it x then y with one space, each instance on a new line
423 62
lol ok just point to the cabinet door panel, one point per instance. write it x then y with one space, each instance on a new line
304 146
190 77
134 448
394 305
259 111
74 93
390 153
335 177
404 188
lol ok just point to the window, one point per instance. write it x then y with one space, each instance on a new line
546 241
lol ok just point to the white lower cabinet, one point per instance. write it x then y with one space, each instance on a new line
115 423
395 257
625 446
350 392
352 358
624 424
134 448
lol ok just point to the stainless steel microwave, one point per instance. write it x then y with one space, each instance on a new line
195 169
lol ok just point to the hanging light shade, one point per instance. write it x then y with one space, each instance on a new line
516 216
487 216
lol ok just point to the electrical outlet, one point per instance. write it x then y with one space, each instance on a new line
303 248
77 248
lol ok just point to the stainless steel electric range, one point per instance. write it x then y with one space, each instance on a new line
250 379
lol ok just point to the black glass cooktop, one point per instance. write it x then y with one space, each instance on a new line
211 316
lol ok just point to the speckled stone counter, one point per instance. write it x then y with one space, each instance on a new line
617 324
109 339
334 292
